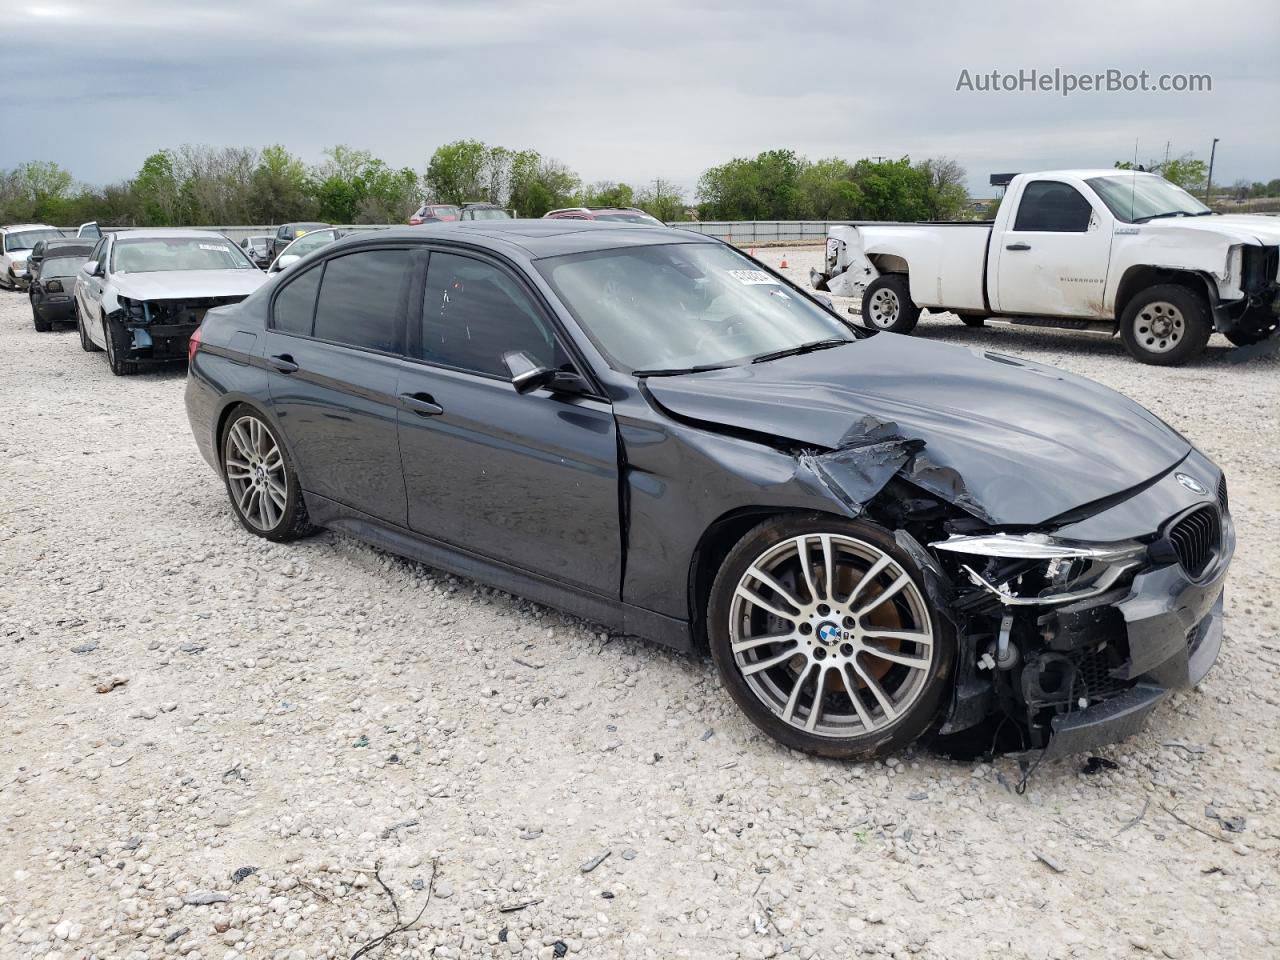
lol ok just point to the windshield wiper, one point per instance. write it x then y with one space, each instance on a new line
1161 216
676 371
802 348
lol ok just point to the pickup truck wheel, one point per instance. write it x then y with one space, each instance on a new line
969 320
824 634
1166 325
886 305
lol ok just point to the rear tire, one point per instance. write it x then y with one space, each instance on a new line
887 306
118 349
261 480
1166 325
820 679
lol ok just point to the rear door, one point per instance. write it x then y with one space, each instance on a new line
334 349
89 290
1054 254
530 479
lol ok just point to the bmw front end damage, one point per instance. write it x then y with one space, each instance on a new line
158 330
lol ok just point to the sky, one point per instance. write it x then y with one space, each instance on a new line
630 91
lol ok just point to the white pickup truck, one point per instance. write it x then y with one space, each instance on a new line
1105 250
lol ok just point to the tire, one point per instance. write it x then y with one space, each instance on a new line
870 706
255 467
87 345
1166 325
117 349
969 320
42 326
886 305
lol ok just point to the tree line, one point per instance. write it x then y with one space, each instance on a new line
205 185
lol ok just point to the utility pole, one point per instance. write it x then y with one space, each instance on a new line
1209 183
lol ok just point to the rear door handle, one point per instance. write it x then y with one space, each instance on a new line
1018 246
284 363
423 404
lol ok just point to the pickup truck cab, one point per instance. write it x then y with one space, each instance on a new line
1112 251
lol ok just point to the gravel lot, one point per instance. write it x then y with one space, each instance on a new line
317 710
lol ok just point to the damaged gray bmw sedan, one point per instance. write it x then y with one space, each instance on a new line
877 538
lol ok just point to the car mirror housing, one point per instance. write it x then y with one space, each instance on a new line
96 269
528 374
285 262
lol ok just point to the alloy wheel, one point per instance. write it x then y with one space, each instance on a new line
256 473
884 308
832 635
1159 326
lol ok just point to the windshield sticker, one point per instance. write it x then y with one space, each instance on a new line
216 247
751 277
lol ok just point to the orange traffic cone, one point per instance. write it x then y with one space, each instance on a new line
783 264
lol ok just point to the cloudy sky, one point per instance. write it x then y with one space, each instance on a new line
628 91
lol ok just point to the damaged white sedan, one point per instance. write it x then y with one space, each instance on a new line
142 293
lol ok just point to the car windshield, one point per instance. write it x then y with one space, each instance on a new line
61 266
489 215
1134 198
675 306
628 218
163 254
26 239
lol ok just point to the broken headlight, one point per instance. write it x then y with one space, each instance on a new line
1035 569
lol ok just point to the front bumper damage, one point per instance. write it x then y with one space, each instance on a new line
159 329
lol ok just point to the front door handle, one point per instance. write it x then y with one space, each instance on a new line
1018 246
423 404
284 363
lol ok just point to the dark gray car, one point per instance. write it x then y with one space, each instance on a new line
877 538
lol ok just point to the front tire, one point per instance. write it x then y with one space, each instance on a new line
1166 325
887 305
261 480
118 349
823 633
42 326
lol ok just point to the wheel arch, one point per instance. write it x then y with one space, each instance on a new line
228 405
889 263
1141 276
721 536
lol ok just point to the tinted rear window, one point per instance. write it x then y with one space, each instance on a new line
360 299
296 303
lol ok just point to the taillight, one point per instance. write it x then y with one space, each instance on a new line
54 286
193 344
415 221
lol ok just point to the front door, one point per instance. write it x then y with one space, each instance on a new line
530 479
1053 259
333 354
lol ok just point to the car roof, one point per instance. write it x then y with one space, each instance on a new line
173 233
539 238
27 226
1090 173
306 223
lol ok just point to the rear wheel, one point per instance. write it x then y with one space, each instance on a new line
87 345
972 320
824 635
886 305
261 479
118 347
1166 325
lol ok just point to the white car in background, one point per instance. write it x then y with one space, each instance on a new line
142 293
16 241
300 247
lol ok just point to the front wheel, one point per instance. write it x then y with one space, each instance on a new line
1166 325
42 325
887 305
261 480
118 346
824 634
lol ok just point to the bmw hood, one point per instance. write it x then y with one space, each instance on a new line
187 284
1022 442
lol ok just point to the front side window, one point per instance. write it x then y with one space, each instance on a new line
473 313
167 254
1048 206
360 299
295 304
282 233
680 305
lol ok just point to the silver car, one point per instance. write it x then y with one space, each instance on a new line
142 293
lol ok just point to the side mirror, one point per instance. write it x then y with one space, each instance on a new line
285 262
527 374
96 269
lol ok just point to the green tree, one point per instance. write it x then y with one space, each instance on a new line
456 171
543 186
156 191
891 190
945 194
827 191
280 189
607 193
662 199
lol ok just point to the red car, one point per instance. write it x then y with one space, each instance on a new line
615 214
434 213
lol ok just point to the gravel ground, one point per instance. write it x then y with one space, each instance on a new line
352 727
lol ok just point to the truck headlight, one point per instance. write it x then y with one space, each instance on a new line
1035 569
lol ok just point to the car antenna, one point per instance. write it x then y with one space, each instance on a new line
1133 181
